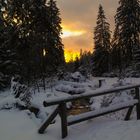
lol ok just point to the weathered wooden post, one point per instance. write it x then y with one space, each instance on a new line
49 120
101 82
138 104
63 115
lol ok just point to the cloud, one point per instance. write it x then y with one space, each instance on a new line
69 31
80 15
78 42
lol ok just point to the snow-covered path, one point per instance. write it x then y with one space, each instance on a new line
18 126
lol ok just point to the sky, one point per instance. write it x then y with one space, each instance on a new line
79 19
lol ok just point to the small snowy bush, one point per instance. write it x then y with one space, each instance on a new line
20 91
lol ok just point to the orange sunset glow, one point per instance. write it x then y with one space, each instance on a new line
68 32
71 55
78 22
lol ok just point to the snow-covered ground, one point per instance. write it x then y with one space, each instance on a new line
15 125
23 125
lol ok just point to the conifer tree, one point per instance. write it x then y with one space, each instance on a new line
2 52
23 34
20 17
31 38
115 52
101 44
85 65
8 64
55 56
127 22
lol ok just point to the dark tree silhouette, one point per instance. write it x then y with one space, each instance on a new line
101 44
127 30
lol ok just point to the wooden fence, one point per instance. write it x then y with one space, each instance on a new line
67 121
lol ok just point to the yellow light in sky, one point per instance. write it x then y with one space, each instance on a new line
67 32
71 56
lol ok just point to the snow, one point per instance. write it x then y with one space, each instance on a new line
71 89
91 94
96 103
78 76
23 125
38 99
102 110
17 125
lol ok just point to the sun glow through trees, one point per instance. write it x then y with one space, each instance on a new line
68 32
71 56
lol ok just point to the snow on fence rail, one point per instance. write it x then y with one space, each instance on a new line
66 121
58 100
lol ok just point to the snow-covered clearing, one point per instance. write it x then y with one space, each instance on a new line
23 125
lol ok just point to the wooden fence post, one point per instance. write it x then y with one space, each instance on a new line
49 120
127 117
138 104
63 115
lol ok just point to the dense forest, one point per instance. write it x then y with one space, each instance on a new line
30 42
31 46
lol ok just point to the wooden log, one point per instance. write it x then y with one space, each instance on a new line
138 104
50 102
63 115
49 120
101 112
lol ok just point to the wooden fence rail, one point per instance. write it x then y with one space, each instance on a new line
66 121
